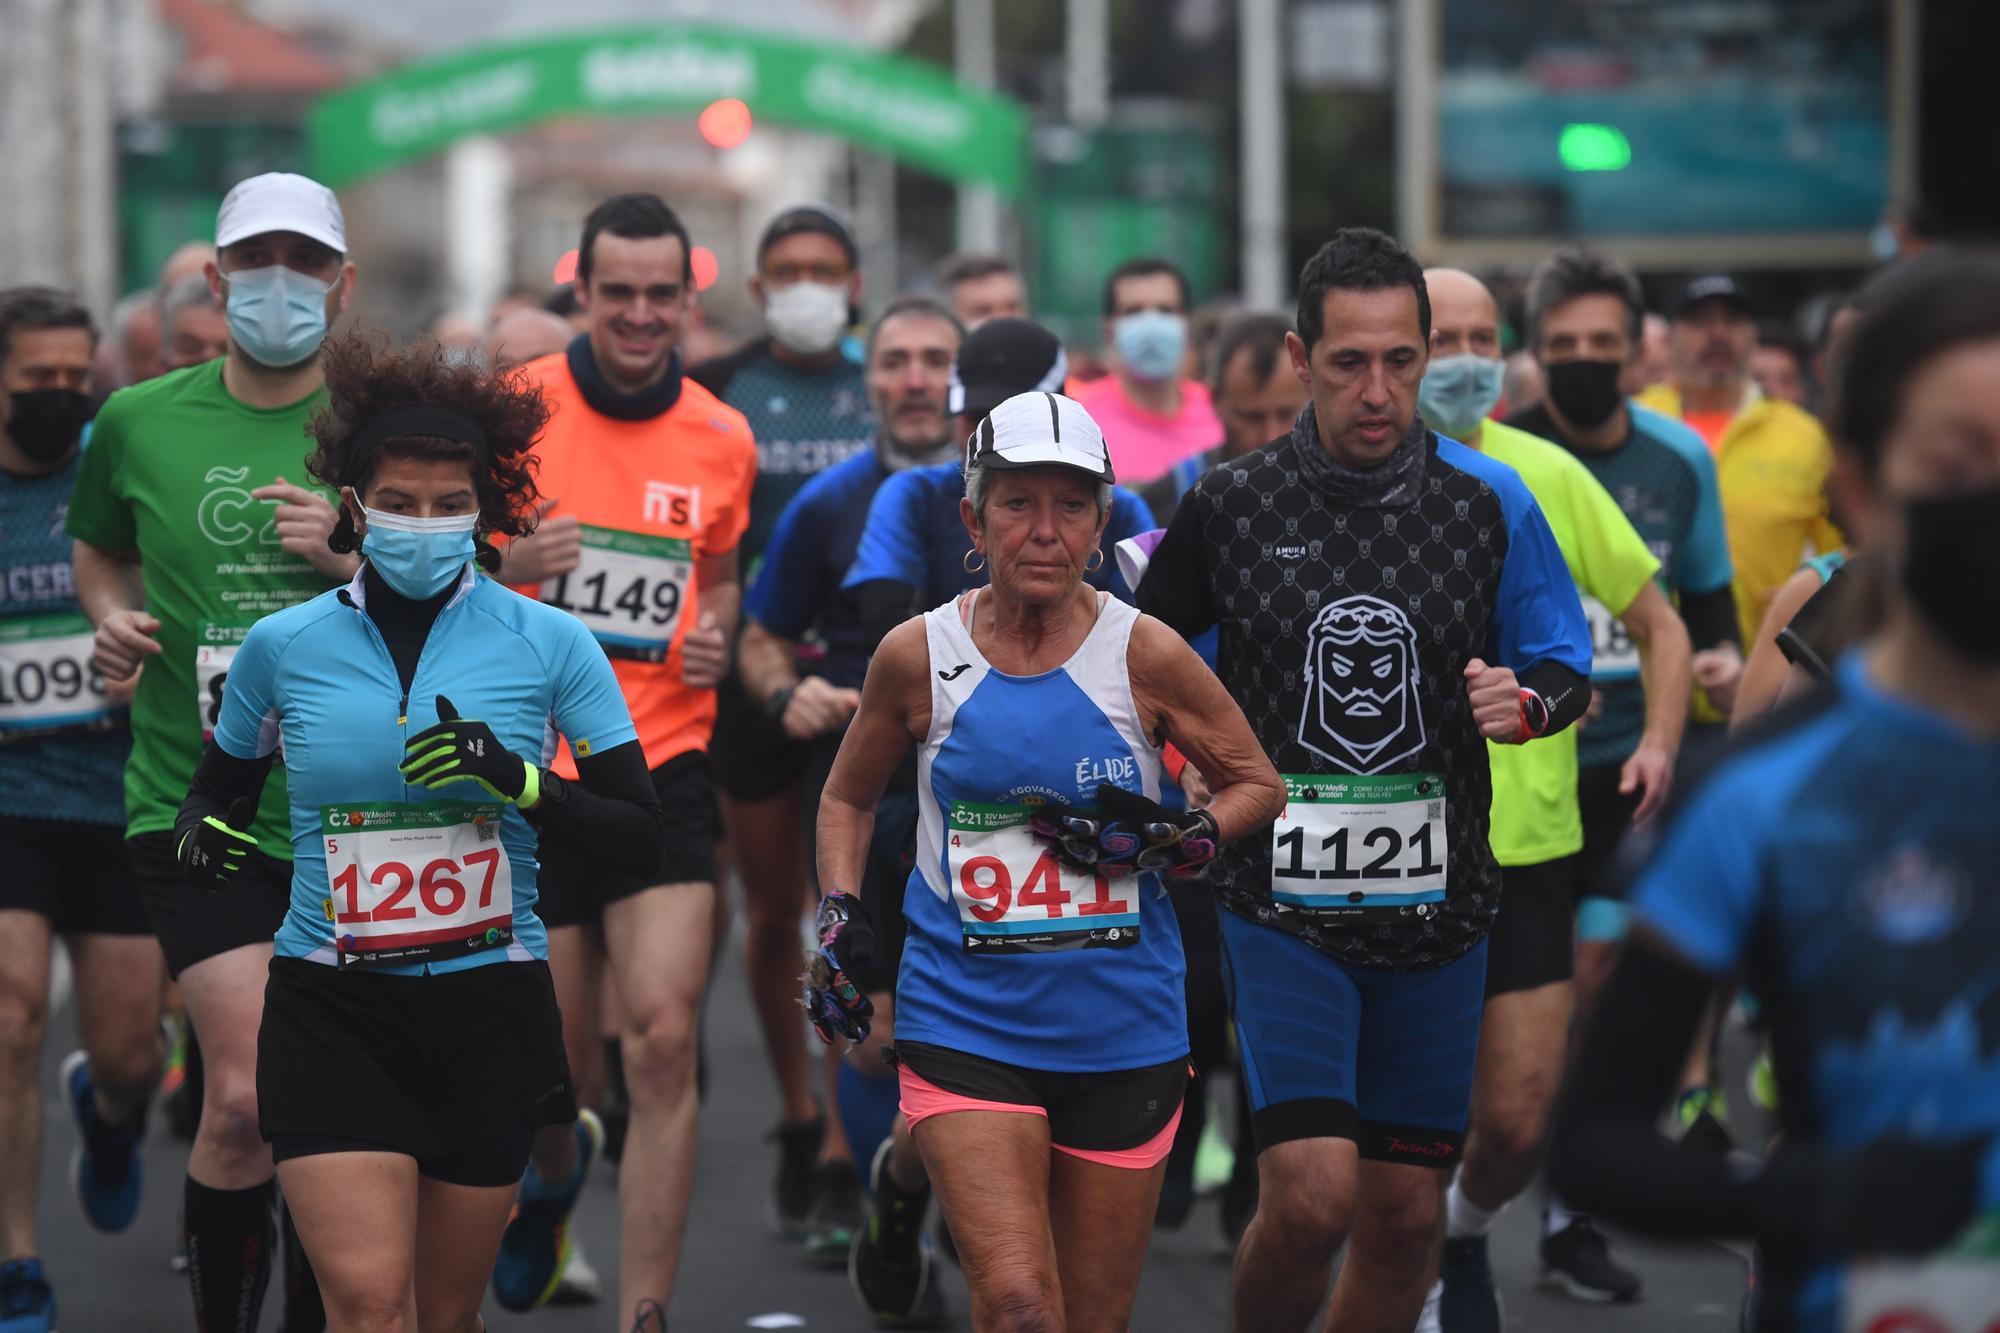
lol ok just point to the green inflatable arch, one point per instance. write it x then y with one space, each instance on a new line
911 110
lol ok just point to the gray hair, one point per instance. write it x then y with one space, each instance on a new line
979 479
1579 270
188 293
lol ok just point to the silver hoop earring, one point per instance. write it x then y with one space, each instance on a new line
1097 554
973 562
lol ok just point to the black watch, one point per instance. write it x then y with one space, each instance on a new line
774 707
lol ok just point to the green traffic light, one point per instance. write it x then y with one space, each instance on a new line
1588 147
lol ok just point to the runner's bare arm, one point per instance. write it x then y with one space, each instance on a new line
812 706
895 710
1664 666
1180 700
765 662
705 644
113 594
1765 675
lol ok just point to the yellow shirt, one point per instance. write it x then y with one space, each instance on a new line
1771 465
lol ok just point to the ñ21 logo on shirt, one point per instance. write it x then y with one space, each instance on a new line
678 505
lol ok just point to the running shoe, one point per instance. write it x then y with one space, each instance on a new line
105 1168
536 1247
579 1283
836 1213
650 1317
1468 1302
791 1190
890 1264
1578 1260
27 1305
1699 1114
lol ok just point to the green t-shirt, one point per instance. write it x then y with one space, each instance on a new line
1535 815
168 474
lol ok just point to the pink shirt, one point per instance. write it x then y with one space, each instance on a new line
1143 444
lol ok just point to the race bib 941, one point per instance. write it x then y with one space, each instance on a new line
1354 844
1013 896
415 883
628 589
47 683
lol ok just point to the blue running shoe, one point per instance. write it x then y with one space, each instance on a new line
105 1169
26 1303
1468 1303
535 1249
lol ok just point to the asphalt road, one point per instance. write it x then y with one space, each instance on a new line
737 1275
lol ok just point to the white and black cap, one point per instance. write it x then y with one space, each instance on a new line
1040 430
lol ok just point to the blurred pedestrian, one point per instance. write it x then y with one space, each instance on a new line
194 322
1152 415
1655 362
979 287
522 335
1779 364
1256 395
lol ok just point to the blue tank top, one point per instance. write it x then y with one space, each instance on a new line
1011 956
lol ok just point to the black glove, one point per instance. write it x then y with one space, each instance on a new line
846 941
464 749
213 851
1895 1196
1127 835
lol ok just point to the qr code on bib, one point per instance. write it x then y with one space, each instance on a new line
488 830
1434 810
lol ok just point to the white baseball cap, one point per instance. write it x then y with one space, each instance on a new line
280 201
1040 430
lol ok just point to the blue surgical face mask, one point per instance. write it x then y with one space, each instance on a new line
1458 392
1151 343
1882 243
418 556
277 315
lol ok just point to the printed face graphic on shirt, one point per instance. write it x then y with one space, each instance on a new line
1361 686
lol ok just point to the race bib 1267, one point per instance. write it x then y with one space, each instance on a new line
47 683
628 590
1355 844
414 883
1013 896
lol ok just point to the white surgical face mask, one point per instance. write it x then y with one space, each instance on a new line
807 317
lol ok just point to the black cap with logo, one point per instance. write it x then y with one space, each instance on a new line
1711 287
1001 358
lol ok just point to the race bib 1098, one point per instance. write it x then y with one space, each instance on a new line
413 883
47 683
628 589
1013 896
1355 844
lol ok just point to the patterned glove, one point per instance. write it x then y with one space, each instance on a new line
834 1003
213 851
1129 834
464 749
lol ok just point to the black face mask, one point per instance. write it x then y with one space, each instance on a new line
1951 568
1585 392
46 422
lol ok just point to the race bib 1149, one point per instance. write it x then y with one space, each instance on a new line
1355 844
410 883
1013 896
47 683
628 589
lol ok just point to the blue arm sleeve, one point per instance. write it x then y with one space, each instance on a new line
1702 562
1539 617
1130 516
892 542
785 597
589 707
247 727
1699 889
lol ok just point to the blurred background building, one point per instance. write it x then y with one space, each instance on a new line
468 137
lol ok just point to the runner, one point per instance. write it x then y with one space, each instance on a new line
190 526
1814 617
411 1043
1377 590
647 479
63 743
1153 414
797 594
804 394
1537 829
1881 1012
1045 1129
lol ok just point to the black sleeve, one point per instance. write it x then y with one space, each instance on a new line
715 373
1710 618
220 781
1175 588
1565 692
885 604
1819 626
612 809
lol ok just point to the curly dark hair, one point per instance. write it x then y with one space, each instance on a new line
366 373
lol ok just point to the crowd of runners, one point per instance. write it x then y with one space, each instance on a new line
1360 754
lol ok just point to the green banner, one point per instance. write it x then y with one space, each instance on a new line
909 109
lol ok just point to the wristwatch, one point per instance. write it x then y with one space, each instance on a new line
1534 714
774 707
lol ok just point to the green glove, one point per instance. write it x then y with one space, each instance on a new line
213 851
463 749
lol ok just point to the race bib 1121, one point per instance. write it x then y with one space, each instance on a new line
1355 844
47 683
628 590
410 883
1013 896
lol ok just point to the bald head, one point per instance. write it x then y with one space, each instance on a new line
1464 315
185 262
523 335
